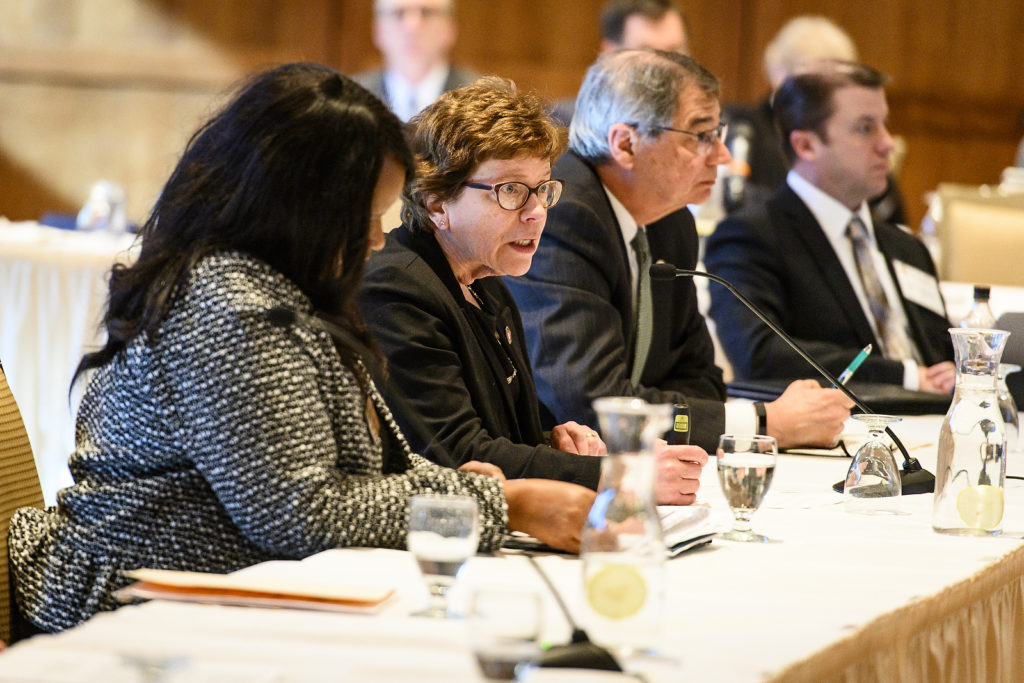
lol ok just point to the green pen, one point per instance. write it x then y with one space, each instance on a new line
854 364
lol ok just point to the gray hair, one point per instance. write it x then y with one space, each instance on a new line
638 87
802 40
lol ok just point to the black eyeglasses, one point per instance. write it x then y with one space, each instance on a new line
513 195
706 139
425 13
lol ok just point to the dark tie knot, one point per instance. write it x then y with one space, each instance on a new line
639 242
856 230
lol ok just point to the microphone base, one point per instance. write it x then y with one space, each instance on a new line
921 481
585 655
912 483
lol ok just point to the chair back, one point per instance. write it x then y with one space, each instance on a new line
19 487
981 233
1013 352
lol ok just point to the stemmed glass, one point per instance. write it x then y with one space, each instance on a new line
746 465
443 533
873 481
505 626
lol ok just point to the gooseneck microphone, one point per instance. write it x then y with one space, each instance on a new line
581 652
739 167
287 317
913 478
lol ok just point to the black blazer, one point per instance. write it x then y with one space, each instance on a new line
778 256
447 375
577 307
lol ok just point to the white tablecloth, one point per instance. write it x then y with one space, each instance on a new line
53 285
804 606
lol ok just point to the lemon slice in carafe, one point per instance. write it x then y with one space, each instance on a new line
980 507
617 591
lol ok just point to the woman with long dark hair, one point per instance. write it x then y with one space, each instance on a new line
223 425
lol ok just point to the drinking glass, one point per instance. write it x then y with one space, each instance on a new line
505 626
873 481
443 533
746 464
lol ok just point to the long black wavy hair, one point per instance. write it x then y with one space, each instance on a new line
285 172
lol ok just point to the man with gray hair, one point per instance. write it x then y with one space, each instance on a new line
646 141
416 38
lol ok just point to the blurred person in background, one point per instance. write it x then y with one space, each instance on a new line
416 38
631 25
759 165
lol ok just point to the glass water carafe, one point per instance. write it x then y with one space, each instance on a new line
622 547
972 440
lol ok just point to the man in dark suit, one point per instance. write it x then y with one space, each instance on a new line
645 142
416 38
816 262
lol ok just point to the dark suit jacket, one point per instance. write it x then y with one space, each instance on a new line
777 255
446 373
577 308
373 81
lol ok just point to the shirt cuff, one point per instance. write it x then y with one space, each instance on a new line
911 380
740 418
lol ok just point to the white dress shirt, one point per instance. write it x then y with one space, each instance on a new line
408 99
740 417
834 217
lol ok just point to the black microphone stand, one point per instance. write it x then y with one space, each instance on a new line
581 652
913 477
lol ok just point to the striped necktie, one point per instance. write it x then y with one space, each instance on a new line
896 344
644 321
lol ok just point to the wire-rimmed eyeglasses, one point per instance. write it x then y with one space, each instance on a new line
513 195
706 139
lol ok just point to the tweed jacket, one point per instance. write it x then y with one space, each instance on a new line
221 441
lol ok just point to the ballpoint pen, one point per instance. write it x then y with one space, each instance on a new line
854 364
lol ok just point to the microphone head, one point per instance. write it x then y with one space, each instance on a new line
662 271
281 316
741 129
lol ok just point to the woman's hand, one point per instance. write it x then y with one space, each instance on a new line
484 468
678 473
576 438
551 511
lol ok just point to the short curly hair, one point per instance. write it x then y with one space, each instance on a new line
487 119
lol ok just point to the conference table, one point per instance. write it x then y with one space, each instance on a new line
53 286
832 596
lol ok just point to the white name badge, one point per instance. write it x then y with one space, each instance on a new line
919 287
